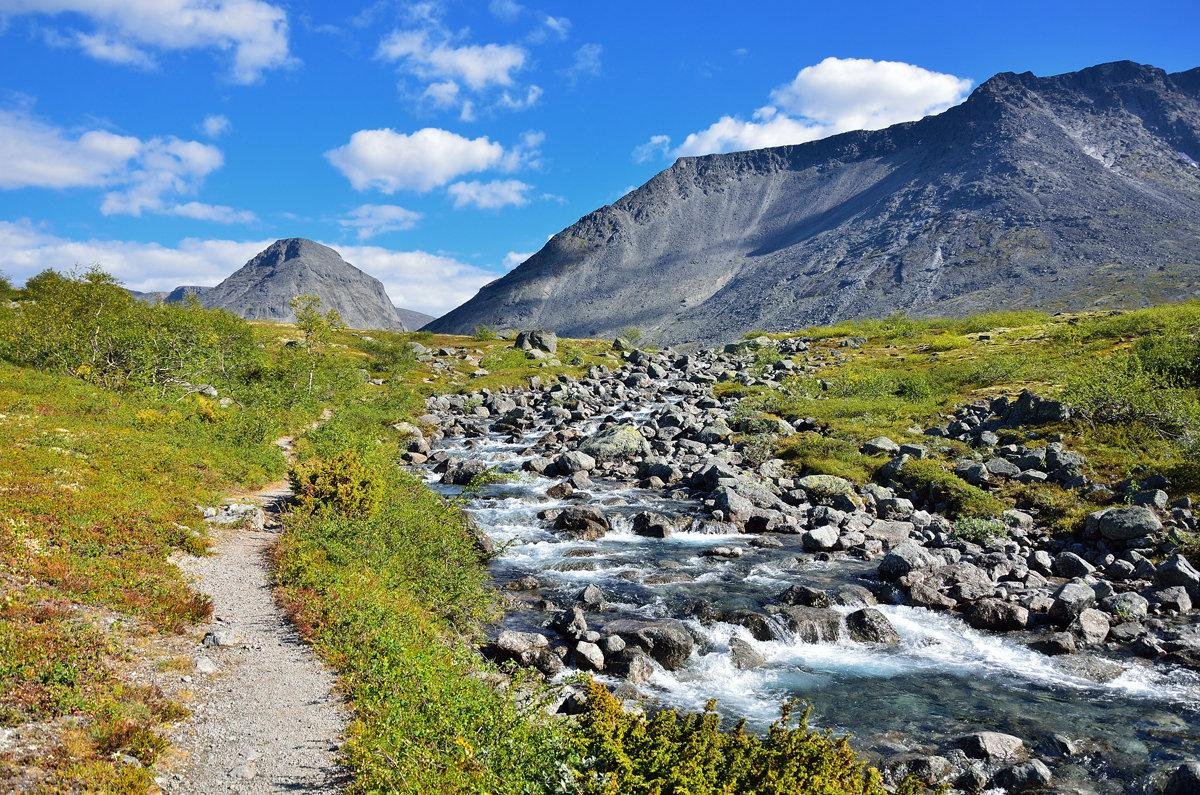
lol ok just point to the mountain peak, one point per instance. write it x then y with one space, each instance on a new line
264 287
1073 190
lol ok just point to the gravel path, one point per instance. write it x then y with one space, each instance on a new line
268 718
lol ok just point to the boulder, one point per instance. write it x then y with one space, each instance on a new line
574 461
619 441
1071 600
813 624
820 538
1092 625
1070 565
668 642
652 525
992 746
538 340
880 445
1128 523
1031 775
903 559
1176 570
584 522
1185 780
868 625
744 655
996 615
830 490
588 656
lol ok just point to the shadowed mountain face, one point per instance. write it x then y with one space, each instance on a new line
264 287
1074 191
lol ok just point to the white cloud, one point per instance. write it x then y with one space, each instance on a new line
429 283
861 94
490 195
586 63
218 213
476 65
141 175
559 26
514 258
656 147
36 154
215 125
443 94
519 102
129 31
369 220
508 10
389 161
833 96
419 280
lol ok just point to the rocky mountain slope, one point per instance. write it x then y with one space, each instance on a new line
264 287
1073 191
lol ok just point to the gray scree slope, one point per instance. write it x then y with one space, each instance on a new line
264 287
1073 191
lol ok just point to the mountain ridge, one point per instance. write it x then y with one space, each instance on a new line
264 287
1049 192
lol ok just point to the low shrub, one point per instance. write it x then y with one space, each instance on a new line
979 531
343 485
484 332
669 751
952 494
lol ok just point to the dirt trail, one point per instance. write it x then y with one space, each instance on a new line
266 716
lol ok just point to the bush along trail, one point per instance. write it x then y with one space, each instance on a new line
979 603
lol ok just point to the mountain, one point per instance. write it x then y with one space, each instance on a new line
264 287
1073 191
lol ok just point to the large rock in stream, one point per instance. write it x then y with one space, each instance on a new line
668 642
619 441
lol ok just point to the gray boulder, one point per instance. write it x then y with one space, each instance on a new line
992 746
619 441
668 642
1128 523
871 626
904 558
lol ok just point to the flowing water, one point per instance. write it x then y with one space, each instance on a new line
943 680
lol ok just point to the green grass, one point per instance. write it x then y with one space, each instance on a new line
1133 375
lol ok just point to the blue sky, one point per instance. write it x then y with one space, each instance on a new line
436 143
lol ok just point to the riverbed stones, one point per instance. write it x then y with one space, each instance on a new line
820 538
868 625
1176 570
588 656
652 525
992 746
574 461
1128 523
582 522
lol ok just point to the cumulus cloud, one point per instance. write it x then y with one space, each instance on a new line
420 280
141 175
426 282
656 147
369 220
215 125
514 258
456 72
490 195
830 97
130 32
586 63
388 161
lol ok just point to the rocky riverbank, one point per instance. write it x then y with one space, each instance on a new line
727 554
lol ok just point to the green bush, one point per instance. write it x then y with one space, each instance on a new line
979 530
668 752
951 493
343 485
483 333
1120 390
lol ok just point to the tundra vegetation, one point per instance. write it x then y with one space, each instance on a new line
112 438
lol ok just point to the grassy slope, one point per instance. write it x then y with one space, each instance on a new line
910 373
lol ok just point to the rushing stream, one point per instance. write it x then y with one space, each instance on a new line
943 680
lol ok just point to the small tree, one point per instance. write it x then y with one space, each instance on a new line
632 335
318 329
7 292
